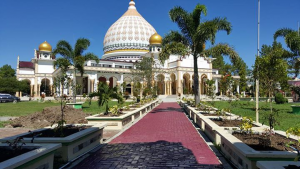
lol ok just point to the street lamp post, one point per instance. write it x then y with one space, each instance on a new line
257 80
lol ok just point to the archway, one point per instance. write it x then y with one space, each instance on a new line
112 82
173 83
102 79
160 84
45 87
127 81
203 84
186 84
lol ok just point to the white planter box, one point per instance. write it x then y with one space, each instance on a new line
118 123
276 164
244 156
72 145
42 157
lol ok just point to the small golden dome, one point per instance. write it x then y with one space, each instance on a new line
45 46
155 39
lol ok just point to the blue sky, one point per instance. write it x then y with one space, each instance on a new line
26 24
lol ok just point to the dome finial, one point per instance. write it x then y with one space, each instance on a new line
132 5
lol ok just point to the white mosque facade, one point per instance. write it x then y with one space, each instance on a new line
128 40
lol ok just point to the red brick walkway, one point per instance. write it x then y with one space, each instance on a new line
164 138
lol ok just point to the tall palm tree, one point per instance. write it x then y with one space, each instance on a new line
192 38
292 40
75 57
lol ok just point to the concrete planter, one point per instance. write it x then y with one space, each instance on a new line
296 109
77 105
42 157
243 156
72 145
118 123
276 164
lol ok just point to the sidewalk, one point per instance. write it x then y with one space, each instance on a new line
164 138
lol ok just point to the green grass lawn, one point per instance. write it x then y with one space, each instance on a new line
246 108
25 108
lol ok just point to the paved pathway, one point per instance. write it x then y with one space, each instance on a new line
164 138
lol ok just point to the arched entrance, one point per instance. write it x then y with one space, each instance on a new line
173 83
45 87
112 82
203 84
186 84
160 84
102 80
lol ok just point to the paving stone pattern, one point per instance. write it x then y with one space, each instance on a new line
164 138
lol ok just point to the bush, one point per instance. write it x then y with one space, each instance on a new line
279 99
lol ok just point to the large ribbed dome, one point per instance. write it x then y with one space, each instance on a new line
130 33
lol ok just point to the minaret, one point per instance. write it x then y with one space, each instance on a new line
155 45
18 64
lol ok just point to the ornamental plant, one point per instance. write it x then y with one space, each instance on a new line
294 131
246 125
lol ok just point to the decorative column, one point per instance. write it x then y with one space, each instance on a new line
165 84
92 85
217 85
20 94
179 87
132 88
31 90
141 91
107 82
170 87
17 94
51 87
200 89
38 90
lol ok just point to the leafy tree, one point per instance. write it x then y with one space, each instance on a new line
73 57
145 69
7 71
192 38
9 85
292 40
271 68
211 88
105 94
226 84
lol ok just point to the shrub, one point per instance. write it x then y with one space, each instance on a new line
279 99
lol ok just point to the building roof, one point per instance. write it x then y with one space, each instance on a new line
129 33
25 64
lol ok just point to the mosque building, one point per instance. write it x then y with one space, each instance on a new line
128 40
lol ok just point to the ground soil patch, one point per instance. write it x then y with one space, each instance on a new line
274 142
8 153
227 123
49 116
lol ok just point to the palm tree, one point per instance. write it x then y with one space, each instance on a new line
105 94
192 38
75 57
292 40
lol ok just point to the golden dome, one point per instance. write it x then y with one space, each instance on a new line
45 46
155 39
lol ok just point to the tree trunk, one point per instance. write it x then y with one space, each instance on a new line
74 85
196 80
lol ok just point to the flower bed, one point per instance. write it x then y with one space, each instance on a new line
73 144
119 122
33 156
244 156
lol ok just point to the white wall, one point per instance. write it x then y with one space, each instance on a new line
26 71
45 66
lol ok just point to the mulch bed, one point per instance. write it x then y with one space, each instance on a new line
8 153
227 123
274 142
56 132
49 116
